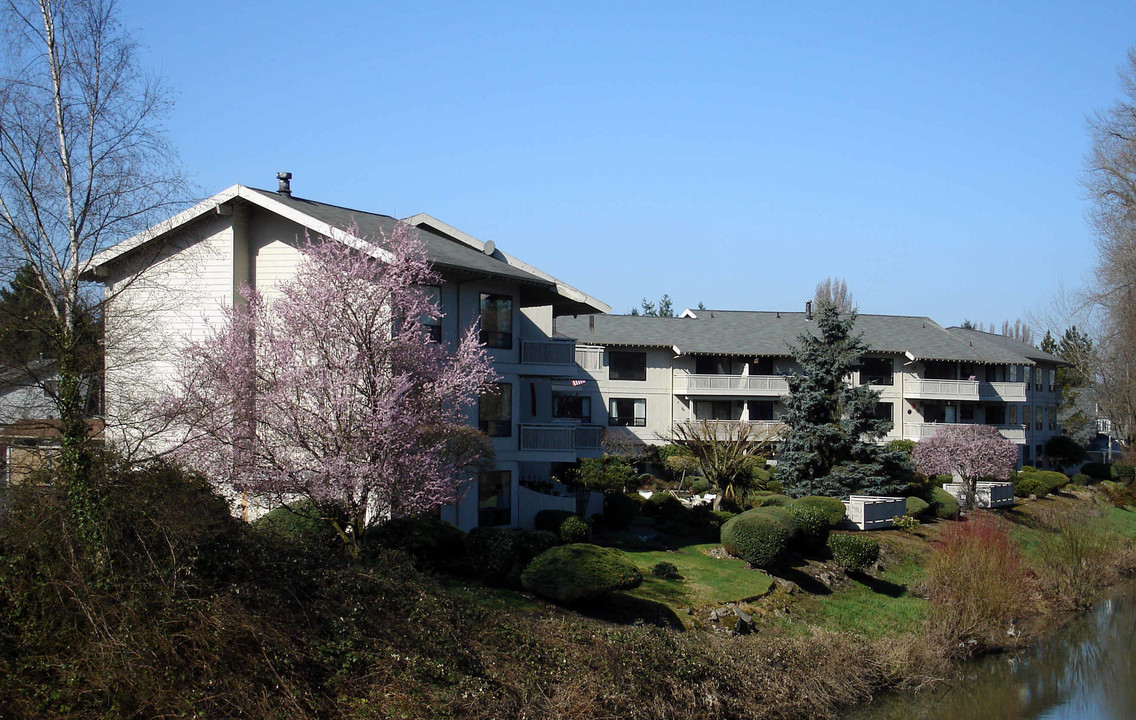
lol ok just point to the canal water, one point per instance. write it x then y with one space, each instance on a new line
1085 671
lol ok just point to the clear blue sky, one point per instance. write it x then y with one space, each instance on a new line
728 153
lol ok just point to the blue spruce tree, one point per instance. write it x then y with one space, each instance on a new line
831 423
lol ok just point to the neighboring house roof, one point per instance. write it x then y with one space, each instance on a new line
47 429
26 375
748 333
449 249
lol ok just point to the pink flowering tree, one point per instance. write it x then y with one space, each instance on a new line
971 451
334 392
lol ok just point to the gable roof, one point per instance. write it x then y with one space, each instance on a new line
453 252
999 346
756 334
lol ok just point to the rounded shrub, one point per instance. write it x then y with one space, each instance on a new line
551 520
773 485
1028 483
832 508
812 527
906 523
666 570
916 507
620 510
1053 480
301 522
431 542
1124 472
492 553
774 500
943 504
1099 471
759 536
699 485
854 553
664 506
580 572
574 530
1081 479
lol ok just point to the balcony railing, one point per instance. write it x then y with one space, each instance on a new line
561 438
919 431
548 352
963 390
761 385
764 429
590 357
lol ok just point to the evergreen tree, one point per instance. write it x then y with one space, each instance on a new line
26 319
828 420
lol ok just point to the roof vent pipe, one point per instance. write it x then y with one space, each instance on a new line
808 309
285 179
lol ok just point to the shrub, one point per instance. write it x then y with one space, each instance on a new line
492 553
976 582
666 570
905 446
774 500
1099 471
432 543
917 507
300 522
699 485
528 545
943 504
907 523
551 520
722 516
1053 480
580 572
759 536
1025 484
1081 479
1124 472
854 553
1075 556
773 485
812 526
574 530
620 510
664 506
832 508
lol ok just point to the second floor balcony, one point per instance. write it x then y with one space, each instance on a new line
548 357
931 389
920 431
762 429
731 385
566 437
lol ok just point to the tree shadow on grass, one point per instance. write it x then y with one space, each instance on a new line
628 610
802 579
879 585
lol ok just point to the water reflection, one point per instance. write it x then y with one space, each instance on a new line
1087 671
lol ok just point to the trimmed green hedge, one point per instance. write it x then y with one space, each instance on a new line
431 542
832 508
774 500
1030 481
1099 470
812 527
943 504
580 572
917 507
854 553
759 536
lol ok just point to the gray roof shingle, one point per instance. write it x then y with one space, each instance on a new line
749 333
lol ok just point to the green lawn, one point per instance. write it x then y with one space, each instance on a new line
706 580
872 607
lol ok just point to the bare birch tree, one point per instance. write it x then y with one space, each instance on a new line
84 163
1110 179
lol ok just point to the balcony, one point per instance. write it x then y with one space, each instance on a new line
566 438
920 431
723 429
924 389
549 357
731 385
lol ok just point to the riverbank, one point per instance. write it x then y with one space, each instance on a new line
190 613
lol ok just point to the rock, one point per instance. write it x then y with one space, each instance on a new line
787 585
745 623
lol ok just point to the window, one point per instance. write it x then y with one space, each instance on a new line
495 411
714 410
627 365
876 371
711 365
760 410
761 366
966 413
494 498
1013 415
883 411
628 412
496 321
995 414
578 407
940 370
1026 416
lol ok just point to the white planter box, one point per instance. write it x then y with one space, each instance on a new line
989 494
873 512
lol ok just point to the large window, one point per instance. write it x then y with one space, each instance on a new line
496 321
495 411
876 371
760 410
630 412
711 365
627 365
995 414
761 366
883 411
578 407
495 498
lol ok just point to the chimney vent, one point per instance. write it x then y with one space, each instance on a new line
285 179
808 309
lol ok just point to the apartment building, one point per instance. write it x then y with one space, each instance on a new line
170 284
646 374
